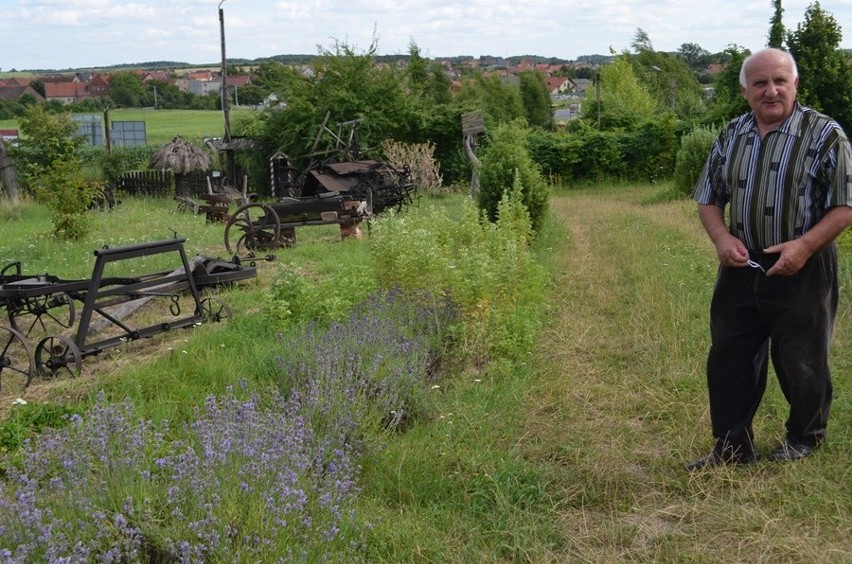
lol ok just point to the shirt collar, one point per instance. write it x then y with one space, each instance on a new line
791 126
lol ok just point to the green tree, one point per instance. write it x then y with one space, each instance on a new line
670 81
345 85
45 138
624 101
506 161
127 90
777 32
47 161
641 41
426 80
695 56
38 85
272 76
825 78
499 100
162 94
728 100
535 96
417 70
439 85
251 95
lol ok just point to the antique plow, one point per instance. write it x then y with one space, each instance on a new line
44 306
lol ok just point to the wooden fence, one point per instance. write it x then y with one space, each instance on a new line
147 183
164 184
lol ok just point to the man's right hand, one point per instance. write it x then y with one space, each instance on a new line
731 252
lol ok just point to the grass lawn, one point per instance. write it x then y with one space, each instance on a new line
163 125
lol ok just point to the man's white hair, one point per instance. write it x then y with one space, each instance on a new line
787 54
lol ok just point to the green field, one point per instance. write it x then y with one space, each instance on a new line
162 125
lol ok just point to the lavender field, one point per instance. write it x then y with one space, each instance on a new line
253 450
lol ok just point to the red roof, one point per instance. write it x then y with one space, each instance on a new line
65 90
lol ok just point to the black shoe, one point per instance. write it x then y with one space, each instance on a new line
788 452
714 459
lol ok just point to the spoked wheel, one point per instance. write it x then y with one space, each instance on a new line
16 362
58 355
214 310
253 227
43 315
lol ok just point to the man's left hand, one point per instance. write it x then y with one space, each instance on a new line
794 255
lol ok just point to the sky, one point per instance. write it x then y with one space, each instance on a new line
72 34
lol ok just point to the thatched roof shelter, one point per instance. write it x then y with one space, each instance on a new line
180 156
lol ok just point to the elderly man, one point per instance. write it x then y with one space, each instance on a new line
784 170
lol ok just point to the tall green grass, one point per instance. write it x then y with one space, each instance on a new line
619 404
561 440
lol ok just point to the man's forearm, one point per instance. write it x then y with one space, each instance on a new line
713 219
828 228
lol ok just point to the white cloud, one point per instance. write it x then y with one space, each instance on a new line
81 33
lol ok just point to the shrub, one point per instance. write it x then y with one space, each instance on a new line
648 150
481 267
62 187
420 159
119 160
581 154
505 159
298 295
559 155
694 148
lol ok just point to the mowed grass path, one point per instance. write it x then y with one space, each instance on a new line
618 404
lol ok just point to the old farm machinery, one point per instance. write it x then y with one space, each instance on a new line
343 193
339 186
74 319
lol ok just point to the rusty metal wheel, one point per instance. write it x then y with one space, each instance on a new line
58 354
43 315
16 362
213 309
253 227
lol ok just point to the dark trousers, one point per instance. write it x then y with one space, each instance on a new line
789 318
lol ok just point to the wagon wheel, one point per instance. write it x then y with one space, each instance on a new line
50 313
214 310
16 361
253 227
55 354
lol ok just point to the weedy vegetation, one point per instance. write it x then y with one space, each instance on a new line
440 390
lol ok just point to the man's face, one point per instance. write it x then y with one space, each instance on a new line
770 88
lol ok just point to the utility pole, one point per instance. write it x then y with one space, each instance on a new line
230 174
225 109
598 96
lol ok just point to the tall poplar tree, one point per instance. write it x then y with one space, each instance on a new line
535 96
777 32
825 78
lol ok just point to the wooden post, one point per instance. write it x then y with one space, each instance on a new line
8 178
107 133
472 125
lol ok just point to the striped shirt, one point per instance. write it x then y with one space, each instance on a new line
780 186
